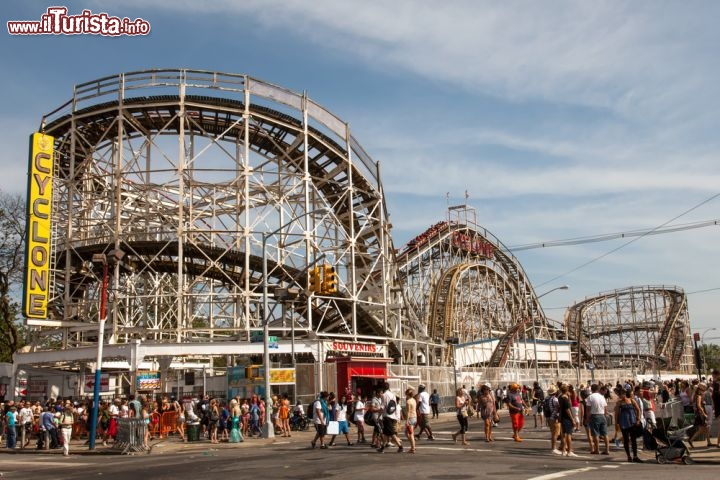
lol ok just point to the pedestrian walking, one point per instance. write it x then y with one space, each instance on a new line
67 419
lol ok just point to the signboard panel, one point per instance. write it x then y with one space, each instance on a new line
89 382
38 227
148 381
354 348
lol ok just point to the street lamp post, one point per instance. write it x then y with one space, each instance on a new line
537 368
561 287
100 258
268 430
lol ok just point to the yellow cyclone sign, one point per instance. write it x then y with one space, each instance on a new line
37 251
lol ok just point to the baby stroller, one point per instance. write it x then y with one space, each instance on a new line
672 445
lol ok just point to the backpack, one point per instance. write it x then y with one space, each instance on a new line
310 411
547 406
105 418
390 407
369 418
540 394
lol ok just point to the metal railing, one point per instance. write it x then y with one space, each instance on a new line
131 436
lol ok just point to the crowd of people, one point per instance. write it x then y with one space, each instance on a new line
384 419
58 420
563 409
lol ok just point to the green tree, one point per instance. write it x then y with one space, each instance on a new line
710 353
12 255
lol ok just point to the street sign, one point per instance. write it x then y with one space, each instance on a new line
89 382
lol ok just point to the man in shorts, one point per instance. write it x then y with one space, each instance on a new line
321 416
596 410
391 416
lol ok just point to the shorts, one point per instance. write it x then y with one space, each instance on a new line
321 429
567 427
598 425
412 421
517 420
536 409
343 428
389 427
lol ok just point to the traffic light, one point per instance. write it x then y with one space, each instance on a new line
315 280
329 283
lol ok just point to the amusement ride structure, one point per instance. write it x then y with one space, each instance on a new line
184 182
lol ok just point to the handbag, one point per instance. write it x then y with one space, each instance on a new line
470 410
496 417
333 427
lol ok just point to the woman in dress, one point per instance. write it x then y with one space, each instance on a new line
486 407
462 416
411 418
234 422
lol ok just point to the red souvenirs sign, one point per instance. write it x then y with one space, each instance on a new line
355 348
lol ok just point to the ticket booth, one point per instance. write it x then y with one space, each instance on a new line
360 374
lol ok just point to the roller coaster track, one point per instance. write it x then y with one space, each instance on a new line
655 315
500 355
671 343
453 250
173 224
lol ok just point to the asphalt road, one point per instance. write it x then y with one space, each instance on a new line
292 458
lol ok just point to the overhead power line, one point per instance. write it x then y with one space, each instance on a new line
625 244
614 236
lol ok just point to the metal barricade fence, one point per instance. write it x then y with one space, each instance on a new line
131 435
670 415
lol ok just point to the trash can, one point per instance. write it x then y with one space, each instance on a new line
193 432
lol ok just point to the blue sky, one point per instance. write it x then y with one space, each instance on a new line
560 119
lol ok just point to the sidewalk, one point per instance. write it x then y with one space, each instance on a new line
168 444
535 442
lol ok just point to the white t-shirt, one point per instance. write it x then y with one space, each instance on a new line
341 413
25 415
387 397
317 413
596 404
424 403
359 411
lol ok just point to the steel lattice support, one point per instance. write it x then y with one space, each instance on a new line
186 171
